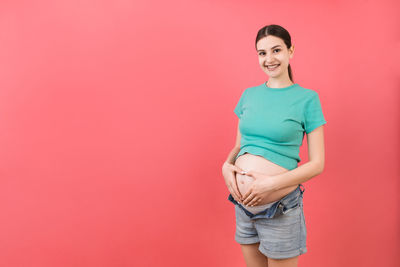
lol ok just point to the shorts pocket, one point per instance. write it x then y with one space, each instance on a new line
289 204
290 217
286 209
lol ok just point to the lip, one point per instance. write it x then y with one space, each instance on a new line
272 65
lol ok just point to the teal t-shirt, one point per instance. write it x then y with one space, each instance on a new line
273 121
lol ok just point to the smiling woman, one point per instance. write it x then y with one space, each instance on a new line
273 120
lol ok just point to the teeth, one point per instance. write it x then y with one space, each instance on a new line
272 66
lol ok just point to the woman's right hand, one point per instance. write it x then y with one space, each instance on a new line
228 171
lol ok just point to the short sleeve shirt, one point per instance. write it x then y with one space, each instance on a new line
273 121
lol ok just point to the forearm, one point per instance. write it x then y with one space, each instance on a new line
299 175
232 155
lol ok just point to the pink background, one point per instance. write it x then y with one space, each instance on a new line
116 117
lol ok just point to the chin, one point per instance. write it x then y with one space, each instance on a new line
273 75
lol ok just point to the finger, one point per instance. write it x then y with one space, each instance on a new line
248 199
239 170
243 172
234 195
254 201
232 192
246 195
235 189
236 192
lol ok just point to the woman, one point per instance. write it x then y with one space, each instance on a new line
261 171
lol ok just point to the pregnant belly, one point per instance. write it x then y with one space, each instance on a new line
250 162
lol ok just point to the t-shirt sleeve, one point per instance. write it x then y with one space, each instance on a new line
313 115
239 106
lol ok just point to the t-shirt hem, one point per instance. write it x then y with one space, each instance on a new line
269 155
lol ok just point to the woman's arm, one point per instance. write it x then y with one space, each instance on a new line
232 155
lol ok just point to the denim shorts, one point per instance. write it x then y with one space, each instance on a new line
280 229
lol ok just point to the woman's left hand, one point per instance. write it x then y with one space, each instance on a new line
262 186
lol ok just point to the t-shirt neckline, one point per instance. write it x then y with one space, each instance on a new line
279 89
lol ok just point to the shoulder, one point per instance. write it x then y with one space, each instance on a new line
253 89
307 93
245 92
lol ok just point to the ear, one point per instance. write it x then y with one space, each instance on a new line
291 51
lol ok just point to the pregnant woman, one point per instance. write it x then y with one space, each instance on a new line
261 172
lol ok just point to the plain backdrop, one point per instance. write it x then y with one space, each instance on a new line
116 117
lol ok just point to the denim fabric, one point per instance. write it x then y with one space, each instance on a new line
280 229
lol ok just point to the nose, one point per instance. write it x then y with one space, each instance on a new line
270 58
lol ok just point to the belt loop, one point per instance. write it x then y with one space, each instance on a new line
302 191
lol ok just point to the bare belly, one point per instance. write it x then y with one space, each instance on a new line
250 162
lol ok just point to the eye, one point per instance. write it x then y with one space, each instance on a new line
260 53
277 49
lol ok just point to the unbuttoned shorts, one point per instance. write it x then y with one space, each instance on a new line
280 229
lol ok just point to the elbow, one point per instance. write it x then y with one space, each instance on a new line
320 167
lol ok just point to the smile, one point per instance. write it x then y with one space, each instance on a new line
273 67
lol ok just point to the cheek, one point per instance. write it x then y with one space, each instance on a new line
284 61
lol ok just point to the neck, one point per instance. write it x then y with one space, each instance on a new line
273 83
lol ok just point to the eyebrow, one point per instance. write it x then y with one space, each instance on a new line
271 48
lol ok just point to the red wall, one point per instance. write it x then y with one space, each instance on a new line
116 117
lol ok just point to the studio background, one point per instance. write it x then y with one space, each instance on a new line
116 118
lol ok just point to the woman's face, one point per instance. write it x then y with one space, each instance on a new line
273 51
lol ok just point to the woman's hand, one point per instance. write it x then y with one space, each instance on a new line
228 171
262 186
